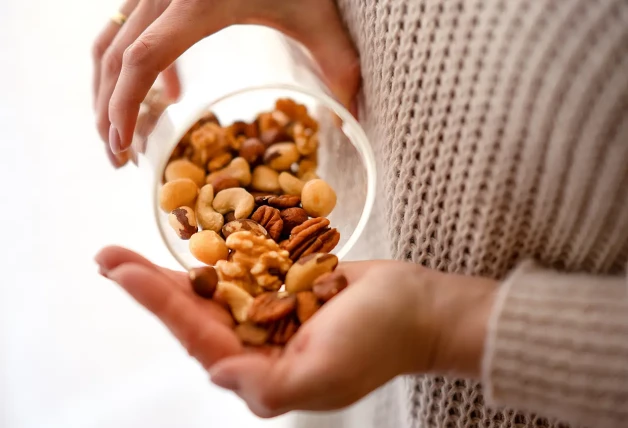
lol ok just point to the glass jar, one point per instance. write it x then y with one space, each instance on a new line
346 160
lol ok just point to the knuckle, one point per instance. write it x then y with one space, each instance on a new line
138 54
111 62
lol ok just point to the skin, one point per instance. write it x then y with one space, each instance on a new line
128 59
430 322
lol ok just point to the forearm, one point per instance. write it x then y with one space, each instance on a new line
557 345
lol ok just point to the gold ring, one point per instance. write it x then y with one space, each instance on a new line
119 18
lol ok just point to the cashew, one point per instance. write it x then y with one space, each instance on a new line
239 301
208 247
318 198
290 185
235 199
205 214
177 193
238 168
183 221
183 168
304 272
281 156
265 179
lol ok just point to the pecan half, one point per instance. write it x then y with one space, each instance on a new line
282 331
293 217
270 219
307 305
313 236
329 285
270 307
281 202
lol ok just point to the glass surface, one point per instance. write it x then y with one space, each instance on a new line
346 160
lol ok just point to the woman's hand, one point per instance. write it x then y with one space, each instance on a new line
393 318
128 59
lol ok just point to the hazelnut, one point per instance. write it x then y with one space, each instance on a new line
281 156
183 168
290 185
306 270
292 217
265 179
183 221
204 281
208 247
252 150
318 198
177 193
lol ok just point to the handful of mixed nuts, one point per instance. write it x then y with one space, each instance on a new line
248 199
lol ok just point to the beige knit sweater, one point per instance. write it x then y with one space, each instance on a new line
501 129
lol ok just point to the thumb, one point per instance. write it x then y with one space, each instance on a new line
319 28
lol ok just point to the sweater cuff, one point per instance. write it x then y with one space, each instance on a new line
557 346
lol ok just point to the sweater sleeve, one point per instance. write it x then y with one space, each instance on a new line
557 346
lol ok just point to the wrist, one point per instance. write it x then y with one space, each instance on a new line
461 308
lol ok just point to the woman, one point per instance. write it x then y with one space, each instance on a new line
502 133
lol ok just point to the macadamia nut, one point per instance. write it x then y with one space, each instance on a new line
318 198
208 247
177 193
183 168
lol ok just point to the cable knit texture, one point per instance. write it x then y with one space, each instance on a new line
501 129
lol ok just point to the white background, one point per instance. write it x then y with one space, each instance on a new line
75 351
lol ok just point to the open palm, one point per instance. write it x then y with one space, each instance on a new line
359 340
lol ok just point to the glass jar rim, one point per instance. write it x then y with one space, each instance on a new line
358 139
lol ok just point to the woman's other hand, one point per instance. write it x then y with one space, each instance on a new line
129 58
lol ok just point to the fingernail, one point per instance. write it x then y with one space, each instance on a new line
113 159
103 272
114 140
223 380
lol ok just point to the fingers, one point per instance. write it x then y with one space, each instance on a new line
322 32
111 257
103 41
143 15
172 82
157 48
207 334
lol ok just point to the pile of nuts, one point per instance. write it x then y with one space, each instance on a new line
248 199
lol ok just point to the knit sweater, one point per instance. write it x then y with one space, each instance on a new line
501 133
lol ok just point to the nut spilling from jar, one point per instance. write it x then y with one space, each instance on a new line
247 198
